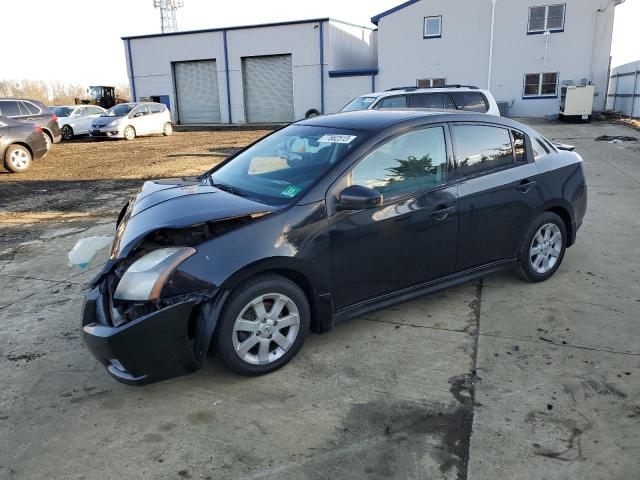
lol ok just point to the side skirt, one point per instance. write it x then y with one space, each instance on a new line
420 290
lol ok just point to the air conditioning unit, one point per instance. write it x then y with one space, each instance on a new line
576 102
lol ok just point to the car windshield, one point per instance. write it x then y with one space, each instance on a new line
286 163
360 103
118 110
63 111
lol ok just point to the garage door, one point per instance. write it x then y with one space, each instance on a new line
268 89
197 91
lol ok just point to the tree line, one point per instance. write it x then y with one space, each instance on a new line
53 92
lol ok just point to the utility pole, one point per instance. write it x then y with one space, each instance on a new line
168 13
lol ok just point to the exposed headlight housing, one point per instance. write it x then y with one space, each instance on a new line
145 277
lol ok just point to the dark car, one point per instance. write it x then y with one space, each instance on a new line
32 111
321 221
20 144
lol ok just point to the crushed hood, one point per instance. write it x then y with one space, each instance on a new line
177 203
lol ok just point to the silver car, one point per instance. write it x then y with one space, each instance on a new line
75 119
131 120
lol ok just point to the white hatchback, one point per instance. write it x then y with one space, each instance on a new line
447 97
131 120
75 119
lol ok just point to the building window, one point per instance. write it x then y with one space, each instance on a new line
431 82
432 27
546 17
540 85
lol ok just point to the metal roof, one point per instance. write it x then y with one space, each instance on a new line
241 27
376 18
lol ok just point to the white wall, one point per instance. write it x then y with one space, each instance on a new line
625 85
350 46
340 90
462 54
345 46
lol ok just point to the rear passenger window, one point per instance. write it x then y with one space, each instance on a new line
30 108
519 146
399 101
539 149
479 148
9 108
413 162
154 108
431 100
470 101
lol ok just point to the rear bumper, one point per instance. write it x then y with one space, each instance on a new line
148 349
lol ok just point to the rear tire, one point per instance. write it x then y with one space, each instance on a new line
167 129
17 159
542 248
48 140
258 340
129 133
67 132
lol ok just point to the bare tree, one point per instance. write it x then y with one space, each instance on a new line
51 92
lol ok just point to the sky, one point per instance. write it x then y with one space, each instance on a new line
78 41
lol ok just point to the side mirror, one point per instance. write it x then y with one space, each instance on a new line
357 197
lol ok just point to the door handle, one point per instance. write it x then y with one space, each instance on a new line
525 185
442 212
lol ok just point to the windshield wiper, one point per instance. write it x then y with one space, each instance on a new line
226 188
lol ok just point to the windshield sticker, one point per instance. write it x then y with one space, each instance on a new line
335 138
290 191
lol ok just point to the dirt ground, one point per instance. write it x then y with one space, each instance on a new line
88 178
493 379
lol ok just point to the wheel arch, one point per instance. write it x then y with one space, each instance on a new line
46 131
564 213
22 144
295 271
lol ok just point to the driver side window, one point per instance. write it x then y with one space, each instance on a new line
412 162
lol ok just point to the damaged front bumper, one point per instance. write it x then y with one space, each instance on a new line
152 347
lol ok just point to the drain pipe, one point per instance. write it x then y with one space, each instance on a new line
493 20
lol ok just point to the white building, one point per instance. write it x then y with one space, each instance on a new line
624 89
536 46
521 50
253 74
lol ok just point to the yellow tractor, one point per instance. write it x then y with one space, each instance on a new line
102 96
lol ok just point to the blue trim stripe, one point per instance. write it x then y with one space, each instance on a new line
321 67
354 72
133 78
226 67
376 18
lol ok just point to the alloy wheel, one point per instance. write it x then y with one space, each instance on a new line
266 328
19 158
546 248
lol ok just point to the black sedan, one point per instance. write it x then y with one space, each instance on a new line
319 222
20 144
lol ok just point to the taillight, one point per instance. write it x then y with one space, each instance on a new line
37 128
54 117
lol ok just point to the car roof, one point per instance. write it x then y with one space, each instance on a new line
414 90
375 120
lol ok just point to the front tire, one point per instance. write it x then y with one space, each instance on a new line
67 132
129 133
263 325
542 248
17 159
167 129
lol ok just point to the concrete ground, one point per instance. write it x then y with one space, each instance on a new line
490 380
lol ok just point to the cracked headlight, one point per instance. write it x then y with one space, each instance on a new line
145 277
